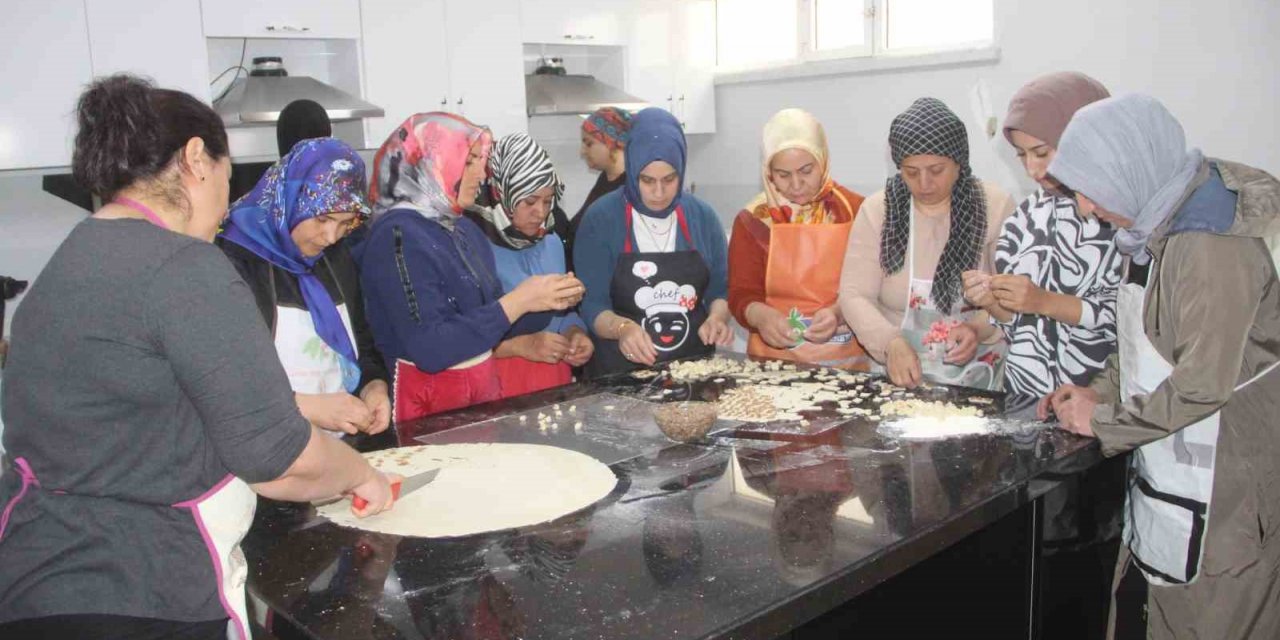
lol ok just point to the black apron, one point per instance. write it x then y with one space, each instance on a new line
662 292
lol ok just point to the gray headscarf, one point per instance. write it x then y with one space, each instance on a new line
1129 155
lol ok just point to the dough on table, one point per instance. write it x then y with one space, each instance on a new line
482 488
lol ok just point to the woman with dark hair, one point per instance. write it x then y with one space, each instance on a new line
144 405
301 120
901 289
286 239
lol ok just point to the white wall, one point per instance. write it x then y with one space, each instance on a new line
32 225
1216 65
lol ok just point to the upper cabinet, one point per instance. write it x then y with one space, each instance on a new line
47 67
671 58
159 39
461 56
590 22
281 18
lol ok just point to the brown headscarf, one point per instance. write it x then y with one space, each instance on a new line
1043 107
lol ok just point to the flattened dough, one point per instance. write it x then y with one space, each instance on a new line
482 487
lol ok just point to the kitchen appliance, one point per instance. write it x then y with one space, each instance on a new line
259 97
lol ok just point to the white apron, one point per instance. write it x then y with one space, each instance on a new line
1170 480
312 366
924 327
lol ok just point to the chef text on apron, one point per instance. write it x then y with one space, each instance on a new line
803 273
1170 480
663 293
925 327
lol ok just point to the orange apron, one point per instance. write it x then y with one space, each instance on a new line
803 272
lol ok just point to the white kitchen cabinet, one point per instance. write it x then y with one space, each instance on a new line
671 59
406 68
585 22
486 66
159 39
281 18
37 105
461 56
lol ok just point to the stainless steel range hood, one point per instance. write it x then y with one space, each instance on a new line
263 94
557 95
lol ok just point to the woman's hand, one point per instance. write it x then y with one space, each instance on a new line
1017 293
580 347
546 347
378 401
715 329
962 343
376 491
772 325
1074 407
636 345
825 322
977 288
341 412
904 363
545 292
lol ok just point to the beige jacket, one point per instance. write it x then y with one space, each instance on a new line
873 303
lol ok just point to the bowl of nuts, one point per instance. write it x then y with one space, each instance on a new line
686 421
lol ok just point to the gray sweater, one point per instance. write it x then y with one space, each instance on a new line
139 376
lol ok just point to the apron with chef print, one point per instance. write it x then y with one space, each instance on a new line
926 328
663 293
1170 480
803 274
311 365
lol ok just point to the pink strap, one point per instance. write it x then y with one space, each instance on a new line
28 480
143 209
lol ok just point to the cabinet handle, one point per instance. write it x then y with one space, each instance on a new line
444 101
583 36
285 28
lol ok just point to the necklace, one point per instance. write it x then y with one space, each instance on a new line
660 238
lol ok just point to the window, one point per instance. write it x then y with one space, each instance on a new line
756 33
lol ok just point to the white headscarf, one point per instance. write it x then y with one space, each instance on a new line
1129 155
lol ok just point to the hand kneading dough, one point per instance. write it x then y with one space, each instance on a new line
482 487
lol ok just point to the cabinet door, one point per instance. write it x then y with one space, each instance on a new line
281 18
486 66
650 47
695 91
160 39
41 86
406 68
585 22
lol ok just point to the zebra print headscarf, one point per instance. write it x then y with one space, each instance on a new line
928 127
518 167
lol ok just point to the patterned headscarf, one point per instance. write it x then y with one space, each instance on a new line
420 165
518 168
318 176
928 127
609 125
798 129
1129 155
655 135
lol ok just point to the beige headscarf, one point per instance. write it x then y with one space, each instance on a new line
797 129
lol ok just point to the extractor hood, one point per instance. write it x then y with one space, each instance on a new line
259 98
551 92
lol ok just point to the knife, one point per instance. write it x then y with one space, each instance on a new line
401 487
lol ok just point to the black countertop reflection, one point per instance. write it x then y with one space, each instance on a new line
736 536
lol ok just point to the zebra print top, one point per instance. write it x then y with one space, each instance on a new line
1061 252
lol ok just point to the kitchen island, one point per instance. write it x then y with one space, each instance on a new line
818 531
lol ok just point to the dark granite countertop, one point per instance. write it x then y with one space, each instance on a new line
745 536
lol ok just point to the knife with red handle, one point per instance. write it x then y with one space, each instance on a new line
402 487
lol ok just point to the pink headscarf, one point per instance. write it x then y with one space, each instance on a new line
420 165
1043 107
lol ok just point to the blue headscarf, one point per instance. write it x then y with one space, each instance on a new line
655 135
317 176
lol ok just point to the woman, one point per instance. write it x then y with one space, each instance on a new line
1193 387
284 238
604 141
436 305
520 224
143 403
1057 273
787 247
900 288
655 281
